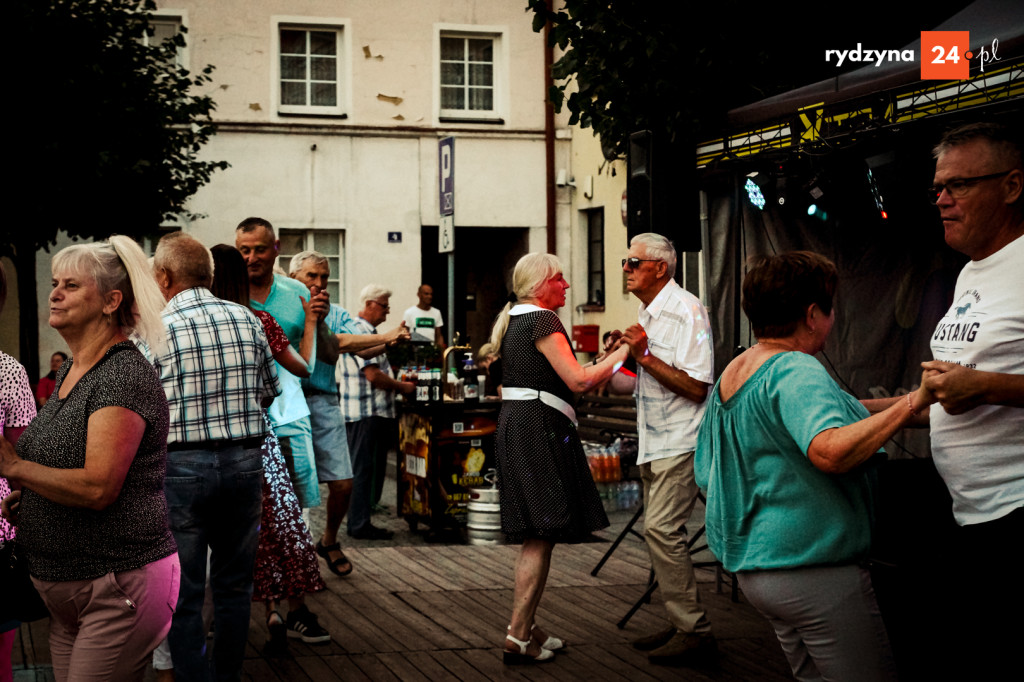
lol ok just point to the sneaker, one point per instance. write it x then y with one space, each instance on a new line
303 624
685 648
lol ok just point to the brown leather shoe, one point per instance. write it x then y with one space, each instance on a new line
685 648
653 641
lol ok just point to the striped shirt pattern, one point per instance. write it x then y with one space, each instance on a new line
359 399
216 370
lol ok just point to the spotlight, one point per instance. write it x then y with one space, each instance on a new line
816 211
754 194
876 195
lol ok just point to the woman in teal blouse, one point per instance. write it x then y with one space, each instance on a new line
784 455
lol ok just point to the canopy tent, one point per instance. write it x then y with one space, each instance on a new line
896 273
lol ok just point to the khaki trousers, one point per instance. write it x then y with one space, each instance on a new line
669 495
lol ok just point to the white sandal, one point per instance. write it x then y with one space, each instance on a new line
551 643
521 657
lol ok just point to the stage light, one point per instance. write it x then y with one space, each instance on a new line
754 194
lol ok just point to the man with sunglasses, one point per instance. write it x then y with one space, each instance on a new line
977 430
673 351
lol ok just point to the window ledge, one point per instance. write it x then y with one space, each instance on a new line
592 308
311 114
470 119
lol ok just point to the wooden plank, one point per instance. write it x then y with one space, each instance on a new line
495 564
752 658
394 634
422 632
488 662
288 669
377 568
402 667
457 667
624 660
494 606
571 567
456 574
420 576
428 665
490 611
345 615
345 668
373 667
438 607
480 570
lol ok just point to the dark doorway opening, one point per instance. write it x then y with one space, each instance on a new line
484 260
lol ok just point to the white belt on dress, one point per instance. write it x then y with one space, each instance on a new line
549 399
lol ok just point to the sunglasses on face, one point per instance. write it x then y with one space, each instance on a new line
634 263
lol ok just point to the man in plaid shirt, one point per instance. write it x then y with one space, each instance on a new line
218 374
369 408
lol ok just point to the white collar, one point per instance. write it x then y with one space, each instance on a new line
523 308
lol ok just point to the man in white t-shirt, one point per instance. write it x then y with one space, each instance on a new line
673 351
424 321
977 429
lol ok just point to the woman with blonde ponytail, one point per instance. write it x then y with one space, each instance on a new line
547 492
90 471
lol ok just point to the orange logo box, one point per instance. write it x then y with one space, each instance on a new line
945 55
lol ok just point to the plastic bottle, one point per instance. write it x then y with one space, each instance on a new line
435 385
422 385
470 387
616 466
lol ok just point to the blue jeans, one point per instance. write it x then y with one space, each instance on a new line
214 501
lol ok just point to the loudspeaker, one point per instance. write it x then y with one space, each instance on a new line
661 191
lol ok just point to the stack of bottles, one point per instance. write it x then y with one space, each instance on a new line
606 468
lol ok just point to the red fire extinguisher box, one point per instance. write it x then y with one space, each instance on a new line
585 338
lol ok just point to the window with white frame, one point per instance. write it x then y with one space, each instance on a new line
164 25
330 243
309 73
470 75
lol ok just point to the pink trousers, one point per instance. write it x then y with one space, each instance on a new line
107 628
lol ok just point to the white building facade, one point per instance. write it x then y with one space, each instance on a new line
330 114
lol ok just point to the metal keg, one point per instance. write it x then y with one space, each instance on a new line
483 522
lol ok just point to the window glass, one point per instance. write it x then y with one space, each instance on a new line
467 74
309 76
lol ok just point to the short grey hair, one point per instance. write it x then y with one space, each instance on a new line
1004 142
186 259
657 247
299 259
372 292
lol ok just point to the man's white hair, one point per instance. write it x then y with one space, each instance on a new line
302 256
657 247
373 292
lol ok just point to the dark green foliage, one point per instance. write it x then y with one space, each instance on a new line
106 130
627 62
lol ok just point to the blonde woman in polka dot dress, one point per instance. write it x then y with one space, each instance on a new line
547 492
